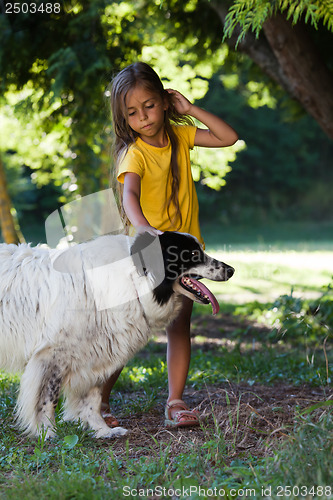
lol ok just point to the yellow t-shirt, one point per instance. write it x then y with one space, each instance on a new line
152 164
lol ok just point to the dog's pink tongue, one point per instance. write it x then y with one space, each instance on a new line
204 290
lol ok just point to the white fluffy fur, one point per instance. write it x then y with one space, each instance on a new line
50 328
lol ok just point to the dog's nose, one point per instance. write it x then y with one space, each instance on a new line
230 272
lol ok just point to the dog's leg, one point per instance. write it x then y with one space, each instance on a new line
39 393
87 408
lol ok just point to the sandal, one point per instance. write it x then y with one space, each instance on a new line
178 420
109 419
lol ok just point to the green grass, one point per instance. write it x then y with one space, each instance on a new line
275 343
74 466
264 276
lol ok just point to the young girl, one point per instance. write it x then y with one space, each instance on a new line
154 133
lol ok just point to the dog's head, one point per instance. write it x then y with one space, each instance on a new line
184 263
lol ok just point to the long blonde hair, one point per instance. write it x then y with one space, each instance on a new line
143 74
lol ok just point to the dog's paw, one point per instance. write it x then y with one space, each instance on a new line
119 431
111 433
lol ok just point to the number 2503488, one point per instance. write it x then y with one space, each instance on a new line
32 8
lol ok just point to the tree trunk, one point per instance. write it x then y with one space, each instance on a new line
8 230
305 73
287 54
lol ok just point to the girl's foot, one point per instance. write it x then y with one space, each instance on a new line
109 419
177 414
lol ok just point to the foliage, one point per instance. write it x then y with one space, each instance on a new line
297 318
57 124
35 160
57 113
211 166
26 141
48 132
67 73
273 175
251 14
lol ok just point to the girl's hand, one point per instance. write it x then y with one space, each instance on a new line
148 229
180 102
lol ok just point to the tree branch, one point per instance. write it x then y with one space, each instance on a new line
258 49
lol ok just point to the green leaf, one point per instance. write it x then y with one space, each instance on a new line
70 441
321 404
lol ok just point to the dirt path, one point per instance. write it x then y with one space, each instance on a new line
248 419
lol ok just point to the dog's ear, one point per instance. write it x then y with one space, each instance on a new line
143 252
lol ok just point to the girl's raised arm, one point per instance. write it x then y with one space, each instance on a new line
218 133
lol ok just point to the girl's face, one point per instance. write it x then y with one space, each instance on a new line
145 115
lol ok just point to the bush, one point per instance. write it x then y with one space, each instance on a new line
295 317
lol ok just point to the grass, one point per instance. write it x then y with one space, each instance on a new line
75 466
265 275
260 375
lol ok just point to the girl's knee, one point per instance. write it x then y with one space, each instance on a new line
179 331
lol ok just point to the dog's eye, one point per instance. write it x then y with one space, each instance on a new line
196 254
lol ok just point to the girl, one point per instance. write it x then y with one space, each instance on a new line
154 132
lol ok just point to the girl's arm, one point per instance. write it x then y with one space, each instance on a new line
131 203
219 133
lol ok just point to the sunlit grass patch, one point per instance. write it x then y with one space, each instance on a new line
272 259
265 275
148 373
8 379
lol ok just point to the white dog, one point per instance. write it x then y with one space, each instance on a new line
69 334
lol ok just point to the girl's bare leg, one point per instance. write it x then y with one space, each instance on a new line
178 358
179 354
105 406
